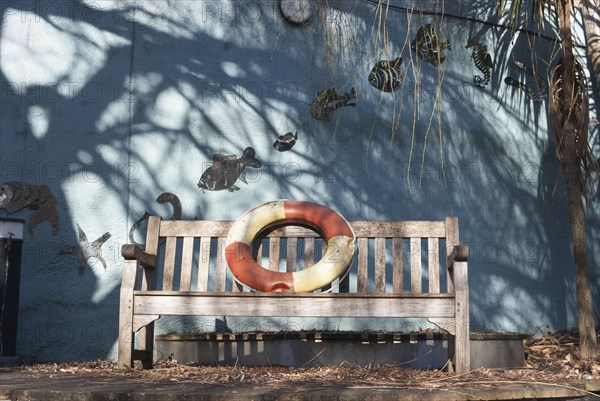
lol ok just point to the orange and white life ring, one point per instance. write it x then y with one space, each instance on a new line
334 228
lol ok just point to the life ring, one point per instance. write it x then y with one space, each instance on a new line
334 228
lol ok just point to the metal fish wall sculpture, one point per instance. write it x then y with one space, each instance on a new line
285 141
428 46
386 75
227 169
328 101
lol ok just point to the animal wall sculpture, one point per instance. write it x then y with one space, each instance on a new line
15 196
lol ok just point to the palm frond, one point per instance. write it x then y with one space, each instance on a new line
516 14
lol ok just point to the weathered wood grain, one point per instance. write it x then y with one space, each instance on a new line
274 254
379 264
386 229
433 259
187 259
461 289
398 269
291 251
309 252
134 251
221 273
126 298
141 307
149 282
301 305
203 264
415 265
169 266
452 239
362 278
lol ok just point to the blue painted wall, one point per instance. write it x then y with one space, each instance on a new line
111 103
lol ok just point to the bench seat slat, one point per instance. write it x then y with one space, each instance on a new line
302 305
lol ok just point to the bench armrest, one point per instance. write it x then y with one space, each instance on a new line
134 252
460 253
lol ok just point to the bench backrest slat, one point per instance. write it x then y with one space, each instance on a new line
392 257
169 268
309 252
380 265
433 260
363 265
221 265
187 258
274 251
397 278
291 254
203 264
415 265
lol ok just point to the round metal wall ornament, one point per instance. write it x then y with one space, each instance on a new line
296 11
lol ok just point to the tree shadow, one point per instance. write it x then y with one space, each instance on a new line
153 89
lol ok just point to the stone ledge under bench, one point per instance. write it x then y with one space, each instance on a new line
422 350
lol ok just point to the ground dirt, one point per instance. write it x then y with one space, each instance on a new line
550 359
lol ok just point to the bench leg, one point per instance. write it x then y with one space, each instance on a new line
126 329
126 335
462 346
147 341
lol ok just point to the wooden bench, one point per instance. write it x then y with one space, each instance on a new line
402 269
